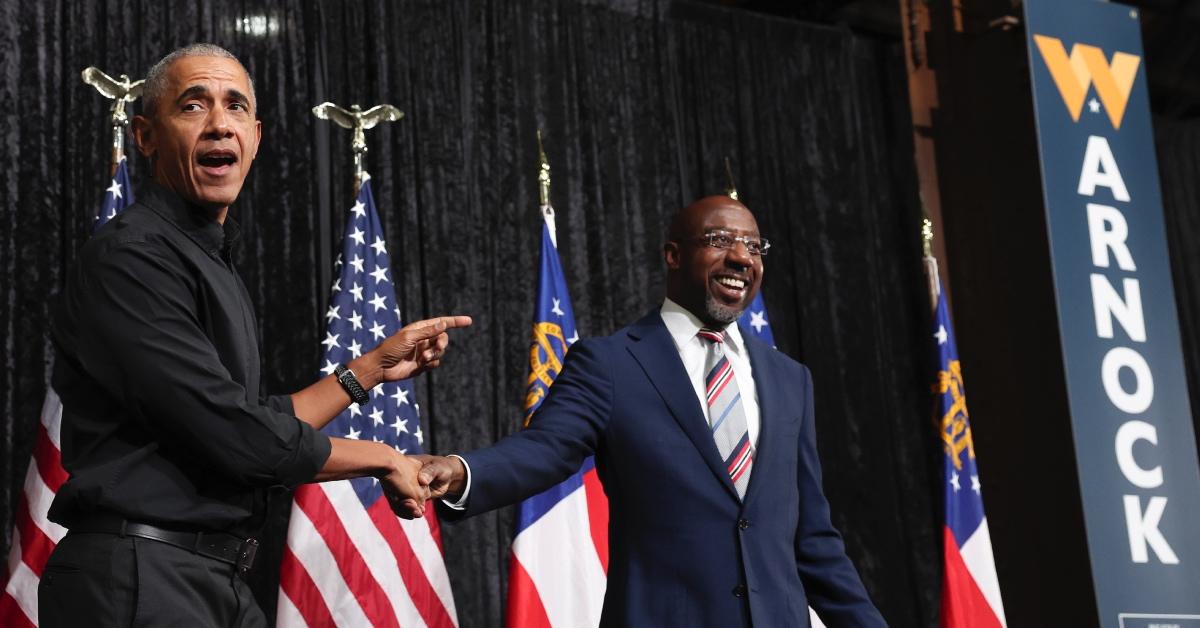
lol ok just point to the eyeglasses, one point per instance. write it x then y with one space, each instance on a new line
719 239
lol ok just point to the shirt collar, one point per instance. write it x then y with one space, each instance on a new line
683 326
196 223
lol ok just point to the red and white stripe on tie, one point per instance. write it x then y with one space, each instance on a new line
717 381
726 415
739 463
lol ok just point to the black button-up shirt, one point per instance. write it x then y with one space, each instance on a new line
158 370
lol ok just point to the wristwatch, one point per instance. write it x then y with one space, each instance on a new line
346 378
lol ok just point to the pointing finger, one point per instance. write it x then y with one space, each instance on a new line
430 328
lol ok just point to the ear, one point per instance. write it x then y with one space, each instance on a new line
143 136
671 255
257 138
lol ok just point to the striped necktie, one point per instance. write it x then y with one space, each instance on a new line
726 417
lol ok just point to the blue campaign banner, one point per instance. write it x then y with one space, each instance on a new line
1131 419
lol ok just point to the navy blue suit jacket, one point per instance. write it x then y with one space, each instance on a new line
684 549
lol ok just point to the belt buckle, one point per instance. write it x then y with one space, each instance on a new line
246 552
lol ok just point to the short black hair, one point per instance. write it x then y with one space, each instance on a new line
156 78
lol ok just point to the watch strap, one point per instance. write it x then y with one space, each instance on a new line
346 378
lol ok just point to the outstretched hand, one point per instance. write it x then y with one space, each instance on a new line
418 347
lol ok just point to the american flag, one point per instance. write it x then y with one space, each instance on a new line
34 536
754 320
118 196
970 588
558 570
349 561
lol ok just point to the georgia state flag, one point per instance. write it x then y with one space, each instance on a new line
970 589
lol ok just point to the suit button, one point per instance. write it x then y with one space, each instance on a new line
743 524
739 591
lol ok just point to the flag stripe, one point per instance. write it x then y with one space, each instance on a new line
319 563
355 573
432 562
40 497
428 603
362 529
435 531
536 507
48 460
52 417
563 585
286 613
300 590
525 609
35 545
963 604
22 591
977 556
597 503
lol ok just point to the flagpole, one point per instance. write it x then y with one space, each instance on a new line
544 191
730 188
358 121
121 91
118 149
931 265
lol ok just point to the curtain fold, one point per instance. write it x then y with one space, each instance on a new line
1178 145
639 103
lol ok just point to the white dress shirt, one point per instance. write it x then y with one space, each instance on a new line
683 326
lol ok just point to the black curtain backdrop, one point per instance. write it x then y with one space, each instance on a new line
639 103
1178 144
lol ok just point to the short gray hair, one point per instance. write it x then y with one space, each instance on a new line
156 78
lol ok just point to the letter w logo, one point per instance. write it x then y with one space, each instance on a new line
1087 66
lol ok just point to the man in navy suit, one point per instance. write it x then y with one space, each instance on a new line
704 441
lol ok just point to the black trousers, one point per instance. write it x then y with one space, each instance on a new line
108 580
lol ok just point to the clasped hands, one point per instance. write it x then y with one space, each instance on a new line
418 478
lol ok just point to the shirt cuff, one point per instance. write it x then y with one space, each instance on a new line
461 504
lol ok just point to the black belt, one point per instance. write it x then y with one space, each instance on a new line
221 546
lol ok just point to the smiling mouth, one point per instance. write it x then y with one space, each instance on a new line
732 283
731 288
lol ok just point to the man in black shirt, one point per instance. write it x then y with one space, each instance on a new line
170 444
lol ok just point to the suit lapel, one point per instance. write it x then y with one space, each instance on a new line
655 351
770 413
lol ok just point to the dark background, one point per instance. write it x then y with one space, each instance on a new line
639 102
